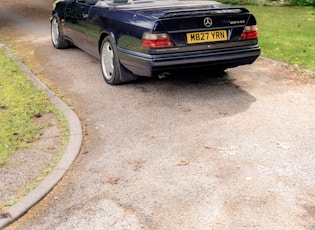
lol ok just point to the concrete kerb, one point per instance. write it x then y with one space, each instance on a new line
70 154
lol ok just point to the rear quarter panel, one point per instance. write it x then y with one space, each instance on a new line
126 28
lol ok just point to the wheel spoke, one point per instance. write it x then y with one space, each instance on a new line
108 61
55 31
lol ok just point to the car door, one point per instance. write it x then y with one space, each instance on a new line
94 22
76 15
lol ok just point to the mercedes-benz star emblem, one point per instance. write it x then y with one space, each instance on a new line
207 22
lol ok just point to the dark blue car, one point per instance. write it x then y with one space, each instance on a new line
155 37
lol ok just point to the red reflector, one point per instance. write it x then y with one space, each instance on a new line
157 43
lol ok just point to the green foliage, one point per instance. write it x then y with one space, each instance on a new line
301 2
271 2
20 103
287 33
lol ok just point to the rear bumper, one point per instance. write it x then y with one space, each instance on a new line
147 65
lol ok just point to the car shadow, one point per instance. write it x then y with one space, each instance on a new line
191 76
213 92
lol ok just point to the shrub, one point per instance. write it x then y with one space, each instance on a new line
301 2
271 2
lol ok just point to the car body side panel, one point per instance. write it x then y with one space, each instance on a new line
75 25
95 22
122 26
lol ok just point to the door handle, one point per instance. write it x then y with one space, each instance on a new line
85 16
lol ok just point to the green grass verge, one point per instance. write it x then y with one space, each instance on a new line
20 103
287 33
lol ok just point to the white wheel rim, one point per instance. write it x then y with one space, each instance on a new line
107 61
54 31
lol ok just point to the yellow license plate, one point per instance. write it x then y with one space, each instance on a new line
206 36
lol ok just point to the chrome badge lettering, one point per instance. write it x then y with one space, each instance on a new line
237 22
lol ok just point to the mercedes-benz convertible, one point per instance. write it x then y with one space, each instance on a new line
155 37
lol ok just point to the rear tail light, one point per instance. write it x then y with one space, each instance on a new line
250 32
161 40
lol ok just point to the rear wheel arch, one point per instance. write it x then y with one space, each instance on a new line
113 71
101 39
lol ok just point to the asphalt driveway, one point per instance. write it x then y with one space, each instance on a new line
213 152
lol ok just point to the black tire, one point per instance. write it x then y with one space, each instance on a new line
113 72
57 38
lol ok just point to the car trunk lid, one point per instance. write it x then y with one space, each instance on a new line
204 26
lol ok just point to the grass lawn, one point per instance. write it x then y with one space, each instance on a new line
287 33
20 103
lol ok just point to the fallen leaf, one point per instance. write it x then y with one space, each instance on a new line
138 164
182 163
185 109
5 213
113 180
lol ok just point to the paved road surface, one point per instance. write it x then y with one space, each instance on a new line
220 152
